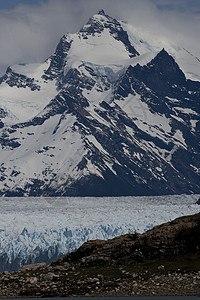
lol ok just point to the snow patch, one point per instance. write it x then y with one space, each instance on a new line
139 111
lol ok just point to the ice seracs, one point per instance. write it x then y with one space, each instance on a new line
42 229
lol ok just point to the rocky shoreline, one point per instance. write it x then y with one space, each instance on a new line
55 284
164 261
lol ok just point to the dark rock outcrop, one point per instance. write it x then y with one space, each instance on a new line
179 237
198 201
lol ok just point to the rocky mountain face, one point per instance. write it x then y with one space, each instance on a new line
98 118
162 261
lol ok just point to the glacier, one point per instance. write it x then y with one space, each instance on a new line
42 229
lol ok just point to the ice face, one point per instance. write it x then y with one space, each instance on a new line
34 229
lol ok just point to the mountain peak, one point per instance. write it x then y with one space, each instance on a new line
164 53
98 22
161 74
102 22
166 64
101 12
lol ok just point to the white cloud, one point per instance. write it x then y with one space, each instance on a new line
30 33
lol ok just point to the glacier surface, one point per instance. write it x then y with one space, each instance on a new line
43 229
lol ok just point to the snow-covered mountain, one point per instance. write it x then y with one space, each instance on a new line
107 114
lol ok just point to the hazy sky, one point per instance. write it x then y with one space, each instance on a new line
30 29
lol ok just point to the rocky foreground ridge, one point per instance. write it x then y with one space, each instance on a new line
161 261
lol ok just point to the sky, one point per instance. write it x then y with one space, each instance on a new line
31 29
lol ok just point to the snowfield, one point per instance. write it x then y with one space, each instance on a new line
23 103
38 229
